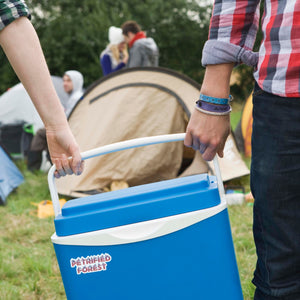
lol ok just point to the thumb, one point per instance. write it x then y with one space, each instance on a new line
221 150
77 163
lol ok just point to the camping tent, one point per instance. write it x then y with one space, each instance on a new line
243 131
135 103
246 125
18 112
10 176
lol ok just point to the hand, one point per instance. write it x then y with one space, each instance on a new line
126 57
207 134
62 146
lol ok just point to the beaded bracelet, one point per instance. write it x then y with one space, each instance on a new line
213 100
211 109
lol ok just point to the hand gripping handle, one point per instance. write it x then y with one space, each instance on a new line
134 143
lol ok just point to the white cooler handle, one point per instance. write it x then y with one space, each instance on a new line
134 143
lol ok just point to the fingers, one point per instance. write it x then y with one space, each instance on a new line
202 148
188 140
77 164
64 151
207 149
207 134
221 150
197 144
209 153
59 168
68 166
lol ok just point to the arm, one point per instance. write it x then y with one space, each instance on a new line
135 57
119 66
211 131
21 45
232 34
106 64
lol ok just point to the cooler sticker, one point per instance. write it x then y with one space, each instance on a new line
90 264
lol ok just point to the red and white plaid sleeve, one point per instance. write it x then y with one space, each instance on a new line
232 32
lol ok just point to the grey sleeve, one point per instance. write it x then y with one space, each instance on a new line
136 57
218 52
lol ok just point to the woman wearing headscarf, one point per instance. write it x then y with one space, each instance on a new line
73 86
115 56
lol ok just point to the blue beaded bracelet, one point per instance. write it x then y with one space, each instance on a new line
223 101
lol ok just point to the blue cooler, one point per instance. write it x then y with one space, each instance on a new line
167 240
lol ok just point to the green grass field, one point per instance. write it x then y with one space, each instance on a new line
28 266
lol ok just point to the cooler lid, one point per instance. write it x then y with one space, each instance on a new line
137 204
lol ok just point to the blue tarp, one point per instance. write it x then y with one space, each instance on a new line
10 176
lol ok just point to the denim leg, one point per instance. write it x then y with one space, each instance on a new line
275 184
261 296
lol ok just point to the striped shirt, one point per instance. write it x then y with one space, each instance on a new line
11 10
232 34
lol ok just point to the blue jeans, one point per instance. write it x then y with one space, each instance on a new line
275 184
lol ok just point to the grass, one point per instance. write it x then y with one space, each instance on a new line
235 116
241 222
28 266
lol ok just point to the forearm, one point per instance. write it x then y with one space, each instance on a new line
22 48
216 81
106 64
119 66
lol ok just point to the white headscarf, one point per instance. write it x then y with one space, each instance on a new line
77 92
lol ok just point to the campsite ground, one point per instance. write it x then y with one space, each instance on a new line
28 266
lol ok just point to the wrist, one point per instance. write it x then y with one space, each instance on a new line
215 100
216 82
56 121
213 105
213 109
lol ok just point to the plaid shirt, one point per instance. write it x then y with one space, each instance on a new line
233 29
11 10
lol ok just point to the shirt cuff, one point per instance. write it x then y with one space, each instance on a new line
219 52
11 11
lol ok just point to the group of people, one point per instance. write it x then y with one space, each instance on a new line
275 166
143 51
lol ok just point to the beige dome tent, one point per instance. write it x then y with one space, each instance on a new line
135 103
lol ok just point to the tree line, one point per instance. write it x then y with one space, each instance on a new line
74 32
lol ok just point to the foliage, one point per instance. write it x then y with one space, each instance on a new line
73 33
243 86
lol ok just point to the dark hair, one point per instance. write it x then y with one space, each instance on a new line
130 26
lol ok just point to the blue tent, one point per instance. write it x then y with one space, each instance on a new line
10 176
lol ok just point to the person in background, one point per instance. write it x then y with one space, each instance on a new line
275 161
29 64
143 51
115 56
73 86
